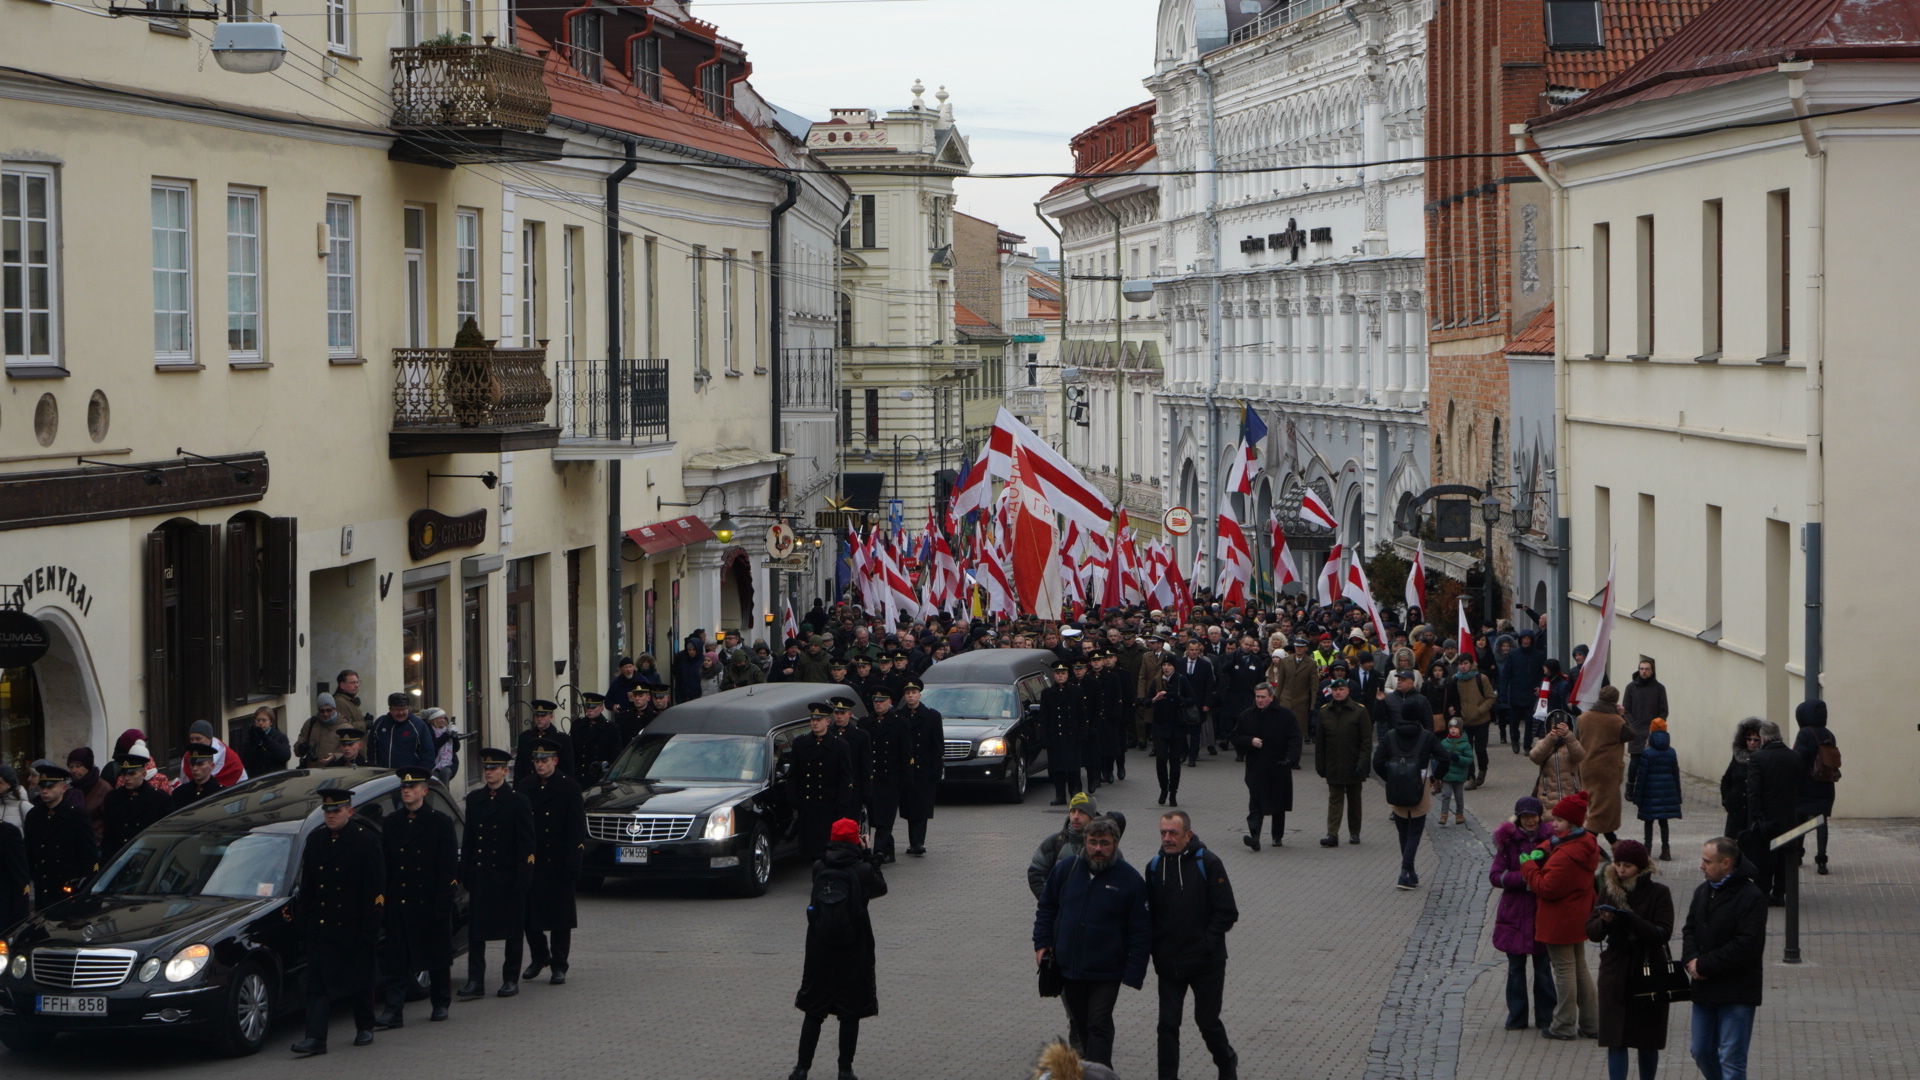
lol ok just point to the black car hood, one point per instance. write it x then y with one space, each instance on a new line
665 798
130 921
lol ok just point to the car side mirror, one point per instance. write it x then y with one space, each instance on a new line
1033 708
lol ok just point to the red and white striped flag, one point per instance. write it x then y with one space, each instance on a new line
1236 562
1283 571
789 629
1360 592
1329 584
1314 510
1417 579
1594 671
1061 485
1466 632
1036 578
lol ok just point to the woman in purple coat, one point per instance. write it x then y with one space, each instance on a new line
1513 923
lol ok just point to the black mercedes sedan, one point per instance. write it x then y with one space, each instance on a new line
697 795
190 929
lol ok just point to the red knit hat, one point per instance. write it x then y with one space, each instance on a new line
1572 809
847 830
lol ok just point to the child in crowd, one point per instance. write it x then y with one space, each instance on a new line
1655 783
1453 782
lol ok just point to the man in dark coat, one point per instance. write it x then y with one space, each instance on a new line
1644 700
1091 719
423 870
343 876
839 977
786 666
59 839
542 728
1268 738
596 741
1343 756
263 746
686 669
199 783
1241 669
131 806
820 780
559 843
1062 717
496 863
926 764
400 738
887 774
1191 903
1197 669
859 750
1816 791
1093 917
1773 795
623 684
1723 947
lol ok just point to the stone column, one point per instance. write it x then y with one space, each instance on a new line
1345 350
1395 349
1314 381
1415 331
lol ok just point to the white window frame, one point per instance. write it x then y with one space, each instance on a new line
529 281
21 175
729 339
343 326
567 343
339 20
413 22
466 266
699 260
246 245
172 265
413 282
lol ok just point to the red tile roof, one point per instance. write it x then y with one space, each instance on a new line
965 318
1537 338
1120 143
1043 297
1735 39
1633 29
679 117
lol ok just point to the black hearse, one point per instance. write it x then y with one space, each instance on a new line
987 700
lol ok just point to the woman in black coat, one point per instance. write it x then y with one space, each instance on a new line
1816 796
838 978
1733 782
1635 934
1268 737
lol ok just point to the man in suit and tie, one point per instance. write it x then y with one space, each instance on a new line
1198 671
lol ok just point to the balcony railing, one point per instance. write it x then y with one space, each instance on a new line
470 388
468 86
1279 17
807 378
622 402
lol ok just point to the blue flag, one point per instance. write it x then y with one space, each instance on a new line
1252 428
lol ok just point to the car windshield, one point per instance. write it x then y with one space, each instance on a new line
242 864
724 759
969 701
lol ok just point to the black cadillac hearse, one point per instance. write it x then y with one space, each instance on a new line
987 702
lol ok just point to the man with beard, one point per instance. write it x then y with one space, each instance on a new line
596 741
926 764
820 780
496 863
559 842
1093 918
887 775
859 752
422 871
60 848
132 805
342 891
1268 740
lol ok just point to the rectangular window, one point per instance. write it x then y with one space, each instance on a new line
583 32
172 274
466 267
339 26
341 328
466 17
1712 618
626 295
869 236
699 310
759 271
1712 280
243 275
651 249
569 265
1648 551
713 89
645 65
1643 287
29 257
1602 289
1779 274
1133 262
413 22
846 416
413 246
1602 536
729 339
873 414
531 281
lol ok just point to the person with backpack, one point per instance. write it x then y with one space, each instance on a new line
1093 918
838 978
1654 778
1191 903
1820 752
1405 760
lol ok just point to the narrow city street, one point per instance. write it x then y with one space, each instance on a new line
1333 973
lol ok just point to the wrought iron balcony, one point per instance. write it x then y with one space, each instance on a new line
465 104
611 408
464 401
808 378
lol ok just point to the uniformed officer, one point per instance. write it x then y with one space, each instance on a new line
131 806
596 741
60 849
661 700
353 749
1091 715
926 764
895 676
1061 722
423 870
859 748
496 863
1115 689
199 782
342 889
819 780
559 842
543 728
862 681
886 771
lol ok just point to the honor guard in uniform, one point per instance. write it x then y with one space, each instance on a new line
423 870
661 699
131 806
60 848
496 863
894 676
1091 720
862 681
886 771
859 748
542 728
926 763
199 782
559 842
1116 710
353 749
1061 721
596 742
819 780
342 889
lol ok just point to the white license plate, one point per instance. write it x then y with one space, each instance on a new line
631 855
70 1006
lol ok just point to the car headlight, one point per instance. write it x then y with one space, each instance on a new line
150 969
19 967
720 824
994 747
187 963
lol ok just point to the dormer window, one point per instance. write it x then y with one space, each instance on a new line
713 89
644 63
583 35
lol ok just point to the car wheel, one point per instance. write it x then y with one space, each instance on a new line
1015 790
27 1042
756 864
247 1012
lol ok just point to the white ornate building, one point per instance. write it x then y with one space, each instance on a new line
1296 290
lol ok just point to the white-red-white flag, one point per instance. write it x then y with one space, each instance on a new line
789 629
1417 579
1314 510
1283 568
1236 561
1036 579
1465 633
1360 592
975 491
1594 672
1328 585
1065 489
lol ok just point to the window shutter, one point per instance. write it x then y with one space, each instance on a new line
280 593
241 593
197 586
158 726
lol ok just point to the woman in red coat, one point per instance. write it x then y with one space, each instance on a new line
1560 873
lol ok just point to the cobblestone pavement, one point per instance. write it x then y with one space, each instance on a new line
1333 974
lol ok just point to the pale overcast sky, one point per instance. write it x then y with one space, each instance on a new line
1024 75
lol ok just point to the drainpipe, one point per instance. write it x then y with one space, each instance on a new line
1814 655
1119 348
1213 321
616 331
776 338
1560 606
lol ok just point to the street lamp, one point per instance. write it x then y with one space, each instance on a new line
723 529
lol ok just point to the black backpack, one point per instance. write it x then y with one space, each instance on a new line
836 893
1405 786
